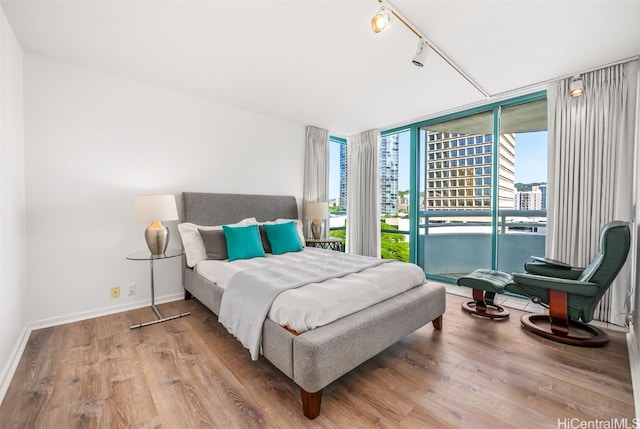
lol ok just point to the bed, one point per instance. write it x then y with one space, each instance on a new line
317 357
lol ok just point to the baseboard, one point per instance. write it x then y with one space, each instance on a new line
12 364
84 315
634 359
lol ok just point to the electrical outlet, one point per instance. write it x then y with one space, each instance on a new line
132 289
115 292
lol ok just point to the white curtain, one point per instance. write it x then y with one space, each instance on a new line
316 170
363 193
591 151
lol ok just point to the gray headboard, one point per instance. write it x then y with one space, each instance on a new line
221 209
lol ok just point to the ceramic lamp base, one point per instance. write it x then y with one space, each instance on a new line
317 228
157 237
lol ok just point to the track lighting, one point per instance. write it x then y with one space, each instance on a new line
576 87
421 54
382 20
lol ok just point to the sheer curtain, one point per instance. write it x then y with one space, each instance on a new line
316 169
363 193
591 151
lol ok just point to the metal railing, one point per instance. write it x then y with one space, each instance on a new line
505 219
454 242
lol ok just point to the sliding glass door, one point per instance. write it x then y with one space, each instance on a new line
480 189
455 233
522 219
461 192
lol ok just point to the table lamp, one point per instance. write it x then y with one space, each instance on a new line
317 212
154 209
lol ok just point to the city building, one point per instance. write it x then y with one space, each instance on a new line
389 152
530 200
459 171
543 191
343 176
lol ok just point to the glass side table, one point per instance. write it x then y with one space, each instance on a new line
147 256
331 243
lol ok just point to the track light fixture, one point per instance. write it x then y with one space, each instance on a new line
576 87
382 20
422 53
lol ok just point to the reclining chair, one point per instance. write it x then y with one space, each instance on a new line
571 294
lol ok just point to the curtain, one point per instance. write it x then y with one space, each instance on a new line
591 151
316 170
363 193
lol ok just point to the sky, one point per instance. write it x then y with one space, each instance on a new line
531 161
531 157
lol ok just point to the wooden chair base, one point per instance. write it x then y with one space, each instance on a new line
483 305
491 311
580 333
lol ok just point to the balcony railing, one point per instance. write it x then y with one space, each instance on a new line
452 243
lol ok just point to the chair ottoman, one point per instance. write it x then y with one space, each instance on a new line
486 284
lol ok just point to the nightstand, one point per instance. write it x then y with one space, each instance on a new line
146 256
331 243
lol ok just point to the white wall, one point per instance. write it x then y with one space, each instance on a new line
633 338
93 141
13 288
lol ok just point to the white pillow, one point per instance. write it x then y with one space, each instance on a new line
298 227
192 240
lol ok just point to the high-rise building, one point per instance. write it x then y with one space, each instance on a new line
543 191
343 176
459 171
528 200
389 157
531 200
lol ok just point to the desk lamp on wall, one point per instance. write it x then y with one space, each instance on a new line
155 209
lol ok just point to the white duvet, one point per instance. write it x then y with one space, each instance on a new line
318 304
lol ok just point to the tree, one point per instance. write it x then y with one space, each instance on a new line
341 233
393 246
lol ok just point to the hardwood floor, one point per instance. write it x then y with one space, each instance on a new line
190 373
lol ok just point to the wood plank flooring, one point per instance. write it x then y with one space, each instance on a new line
190 373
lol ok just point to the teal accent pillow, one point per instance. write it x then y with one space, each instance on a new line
283 237
243 242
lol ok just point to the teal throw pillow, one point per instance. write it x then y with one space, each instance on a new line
283 237
243 242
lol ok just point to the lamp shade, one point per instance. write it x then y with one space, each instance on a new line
148 208
317 210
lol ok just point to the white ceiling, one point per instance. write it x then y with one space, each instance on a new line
317 62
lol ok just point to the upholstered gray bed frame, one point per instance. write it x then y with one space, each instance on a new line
317 357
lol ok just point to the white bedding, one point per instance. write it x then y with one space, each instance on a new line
318 304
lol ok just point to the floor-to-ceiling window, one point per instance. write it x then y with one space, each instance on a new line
395 195
521 228
456 213
484 185
460 192
338 187
475 192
